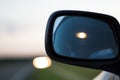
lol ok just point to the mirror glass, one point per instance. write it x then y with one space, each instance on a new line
83 38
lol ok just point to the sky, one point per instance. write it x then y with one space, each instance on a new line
23 22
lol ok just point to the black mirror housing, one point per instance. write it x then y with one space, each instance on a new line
108 63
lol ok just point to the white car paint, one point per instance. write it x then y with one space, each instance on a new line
106 76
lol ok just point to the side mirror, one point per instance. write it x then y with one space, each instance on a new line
85 39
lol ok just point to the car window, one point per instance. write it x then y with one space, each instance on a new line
22 32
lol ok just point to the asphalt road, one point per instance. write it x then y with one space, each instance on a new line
24 70
15 69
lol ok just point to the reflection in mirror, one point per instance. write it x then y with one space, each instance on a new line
83 38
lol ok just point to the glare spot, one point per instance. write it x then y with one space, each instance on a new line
42 62
81 35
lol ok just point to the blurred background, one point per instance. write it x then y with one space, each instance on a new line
22 29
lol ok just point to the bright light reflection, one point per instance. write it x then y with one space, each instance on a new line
42 62
81 35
